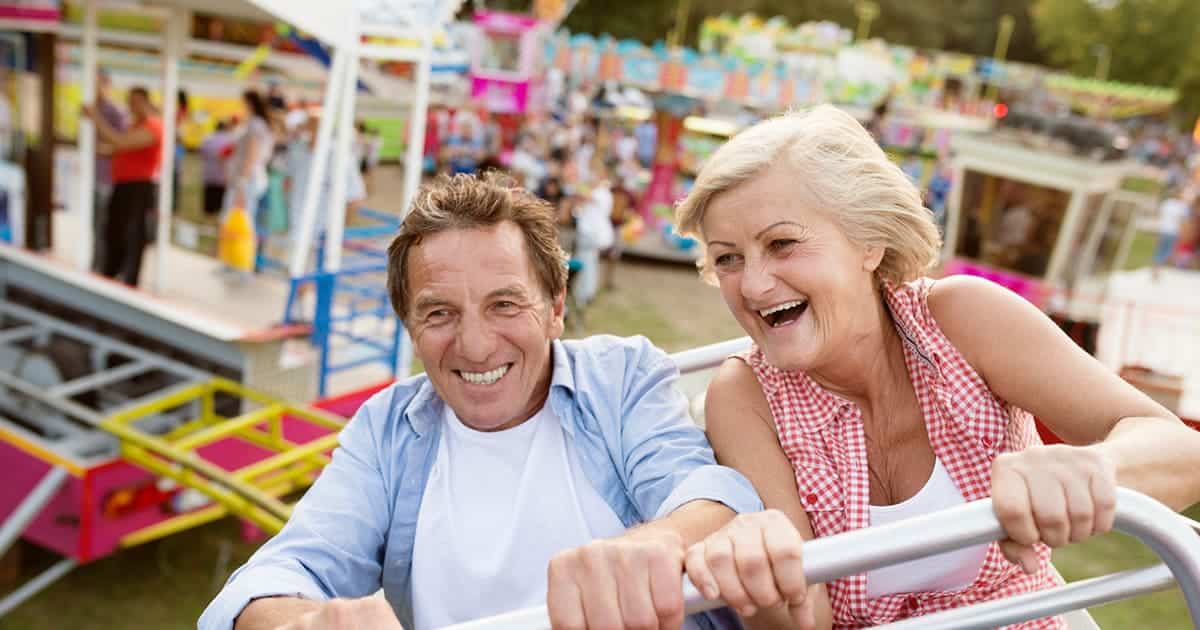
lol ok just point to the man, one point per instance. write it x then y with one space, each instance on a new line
512 472
136 158
115 118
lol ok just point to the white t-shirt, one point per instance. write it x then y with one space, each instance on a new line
1171 214
949 571
497 507
593 220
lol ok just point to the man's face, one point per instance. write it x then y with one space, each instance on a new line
139 105
482 324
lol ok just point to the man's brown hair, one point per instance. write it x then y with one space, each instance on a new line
464 202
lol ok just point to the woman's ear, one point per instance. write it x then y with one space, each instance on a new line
873 257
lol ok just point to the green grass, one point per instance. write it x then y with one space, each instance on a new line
1141 252
1117 552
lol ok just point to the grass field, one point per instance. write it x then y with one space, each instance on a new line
164 585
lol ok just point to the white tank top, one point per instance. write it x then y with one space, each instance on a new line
950 571
497 507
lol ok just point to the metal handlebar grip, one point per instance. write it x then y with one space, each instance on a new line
835 557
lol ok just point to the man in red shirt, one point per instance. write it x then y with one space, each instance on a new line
137 155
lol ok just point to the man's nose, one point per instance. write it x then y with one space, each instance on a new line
476 339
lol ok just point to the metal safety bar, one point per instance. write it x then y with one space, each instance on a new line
975 523
710 356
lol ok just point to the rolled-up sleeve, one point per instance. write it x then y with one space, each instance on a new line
668 460
331 546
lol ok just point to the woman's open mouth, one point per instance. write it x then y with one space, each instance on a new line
783 314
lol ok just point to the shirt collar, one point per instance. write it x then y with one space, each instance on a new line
426 407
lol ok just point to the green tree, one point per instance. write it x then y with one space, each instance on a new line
1146 41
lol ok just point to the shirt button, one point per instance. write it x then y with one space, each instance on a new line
912 604
810 499
989 443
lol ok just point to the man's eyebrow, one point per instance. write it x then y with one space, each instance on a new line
428 302
512 291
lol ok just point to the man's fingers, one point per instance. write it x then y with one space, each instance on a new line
635 594
666 588
601 601
564 602
700 573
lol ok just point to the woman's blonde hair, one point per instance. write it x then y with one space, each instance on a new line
842 170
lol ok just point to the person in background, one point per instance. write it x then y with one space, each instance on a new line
463 151
368 147
116 120
136 160
1172 213
299 167
593 234
182 111
248 177
215 150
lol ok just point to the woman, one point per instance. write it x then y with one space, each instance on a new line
251 154
248 177
874 394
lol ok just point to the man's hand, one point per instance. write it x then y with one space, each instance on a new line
633 581
367 613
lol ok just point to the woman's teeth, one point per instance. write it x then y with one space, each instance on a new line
780 307
484 378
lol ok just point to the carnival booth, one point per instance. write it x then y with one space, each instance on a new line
506 69
1041 220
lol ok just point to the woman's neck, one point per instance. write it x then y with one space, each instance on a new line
872 368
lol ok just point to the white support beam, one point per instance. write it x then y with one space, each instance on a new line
178 25
303 239
87 133
414 158
343 157
387 52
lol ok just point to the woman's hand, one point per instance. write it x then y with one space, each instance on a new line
754 563
1055 495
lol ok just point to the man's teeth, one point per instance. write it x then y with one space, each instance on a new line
484 378
780 307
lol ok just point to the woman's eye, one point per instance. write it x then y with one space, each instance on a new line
725 260
781 244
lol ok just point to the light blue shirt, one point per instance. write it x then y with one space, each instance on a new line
353 531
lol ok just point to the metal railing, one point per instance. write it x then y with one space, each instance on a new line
833 557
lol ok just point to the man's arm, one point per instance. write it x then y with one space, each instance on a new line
330 548
635 580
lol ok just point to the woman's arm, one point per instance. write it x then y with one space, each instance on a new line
741 430
1028 361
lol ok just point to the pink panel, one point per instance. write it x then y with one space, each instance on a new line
1027 287
56 527
63 526
501 96
504 22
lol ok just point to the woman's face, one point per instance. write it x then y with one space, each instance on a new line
797 285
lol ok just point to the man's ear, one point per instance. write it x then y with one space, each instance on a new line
558 311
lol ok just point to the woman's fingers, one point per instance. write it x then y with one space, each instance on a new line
753 563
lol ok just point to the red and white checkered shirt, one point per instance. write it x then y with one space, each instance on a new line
968 425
